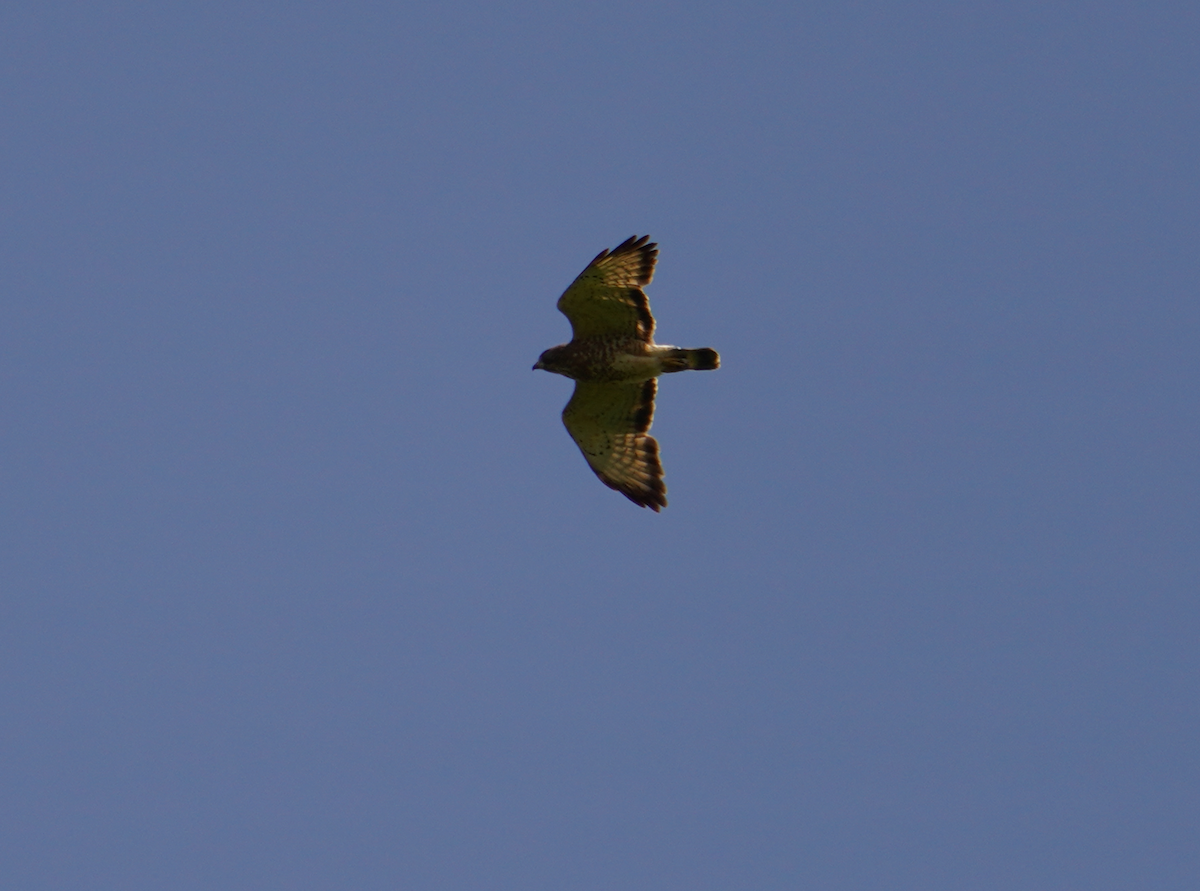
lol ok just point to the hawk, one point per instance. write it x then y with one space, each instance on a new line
614 361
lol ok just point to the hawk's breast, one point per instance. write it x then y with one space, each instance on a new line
607 360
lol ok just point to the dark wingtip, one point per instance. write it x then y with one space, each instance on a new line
642 245
656 499
632 243
653 493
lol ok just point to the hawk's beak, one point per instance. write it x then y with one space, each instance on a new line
537 365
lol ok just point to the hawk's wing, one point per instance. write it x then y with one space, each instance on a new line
609 422
607 297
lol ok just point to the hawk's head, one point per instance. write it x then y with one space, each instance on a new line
551 360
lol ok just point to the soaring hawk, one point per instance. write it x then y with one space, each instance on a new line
614 361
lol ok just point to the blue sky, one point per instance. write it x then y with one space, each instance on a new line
303 584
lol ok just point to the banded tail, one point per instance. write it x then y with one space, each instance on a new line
694 360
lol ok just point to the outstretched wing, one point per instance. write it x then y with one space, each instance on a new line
607 297
609 422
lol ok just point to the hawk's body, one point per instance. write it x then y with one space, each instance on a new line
614 361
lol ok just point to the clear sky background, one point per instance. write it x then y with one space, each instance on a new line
306 587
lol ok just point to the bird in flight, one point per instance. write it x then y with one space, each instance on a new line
614 361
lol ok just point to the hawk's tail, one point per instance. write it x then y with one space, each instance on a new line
696 360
